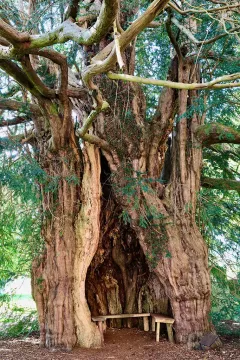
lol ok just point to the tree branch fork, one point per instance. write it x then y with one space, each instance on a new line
22 44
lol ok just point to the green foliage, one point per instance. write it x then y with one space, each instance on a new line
20 216
225 302
43 71
153 59
18 322
20 239
20 174
218 219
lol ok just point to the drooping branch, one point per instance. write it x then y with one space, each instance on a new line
17 139
229 152
61 60
87 124
172 37
33 83
202 11
191 37
214 84
217 133
117 46
221 184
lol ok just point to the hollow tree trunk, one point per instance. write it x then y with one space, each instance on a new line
119 280
163 216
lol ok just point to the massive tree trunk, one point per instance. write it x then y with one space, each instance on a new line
140 226
118 222
161 211
71 209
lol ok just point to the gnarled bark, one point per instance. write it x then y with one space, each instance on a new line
169 237
53 278
71 233
87 238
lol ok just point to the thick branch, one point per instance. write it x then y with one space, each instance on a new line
15 121
106 59
4 42
93 139
35 80
217 133
70 31
214 84
24 42
221 184
8 104
87 124
16 73
105 20
12 35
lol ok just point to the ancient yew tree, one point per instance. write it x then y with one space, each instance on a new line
122 174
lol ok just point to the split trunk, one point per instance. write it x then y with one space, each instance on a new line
120 227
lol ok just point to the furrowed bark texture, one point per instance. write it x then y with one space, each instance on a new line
87 231
70 228
53 286
190 282
163 216
119 224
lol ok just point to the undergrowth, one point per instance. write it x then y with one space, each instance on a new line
16 321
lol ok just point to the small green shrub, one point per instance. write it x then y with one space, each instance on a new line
17 321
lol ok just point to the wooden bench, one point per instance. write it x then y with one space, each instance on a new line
101 320
158 319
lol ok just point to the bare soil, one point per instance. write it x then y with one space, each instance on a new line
120 344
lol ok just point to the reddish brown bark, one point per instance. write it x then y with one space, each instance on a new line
183 272
70 211
53 285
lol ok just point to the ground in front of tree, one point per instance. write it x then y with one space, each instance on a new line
120 344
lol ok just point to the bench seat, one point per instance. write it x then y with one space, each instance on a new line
158 319
101 320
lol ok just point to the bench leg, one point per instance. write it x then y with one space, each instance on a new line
158 331
153 324
100 326
104 326
145 324
170 333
